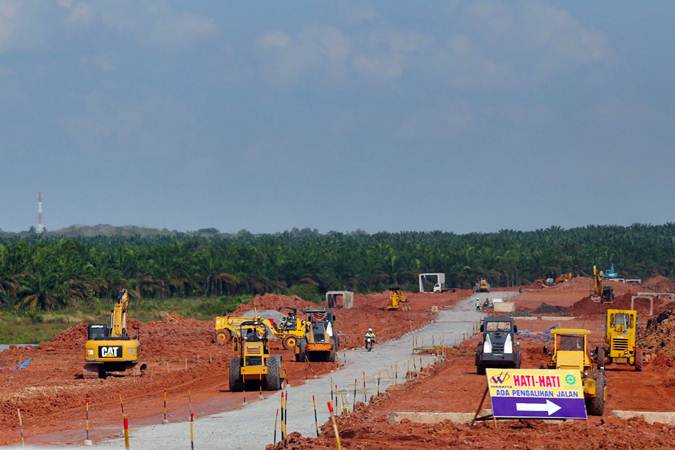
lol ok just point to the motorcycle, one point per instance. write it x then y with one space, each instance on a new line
369 343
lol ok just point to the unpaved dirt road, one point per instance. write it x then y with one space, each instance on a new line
252 426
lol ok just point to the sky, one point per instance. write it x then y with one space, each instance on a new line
337 115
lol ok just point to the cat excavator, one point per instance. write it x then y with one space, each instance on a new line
601 294
110 350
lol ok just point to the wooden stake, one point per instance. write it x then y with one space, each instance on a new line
335 428
125 424
354 396
192 422
87 441
316 420
365 392
276 418
18 412
165 419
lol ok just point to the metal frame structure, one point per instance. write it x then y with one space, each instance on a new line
347 299
651 296
440 278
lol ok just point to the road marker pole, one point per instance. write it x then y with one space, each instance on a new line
395 373
356 381
331 389
365 391
192 422
378 384
285 417
260 383
87 441
316 420
18 412
276 418
335 428
125 424
165 419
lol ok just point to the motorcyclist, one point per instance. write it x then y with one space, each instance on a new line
477 302
370 334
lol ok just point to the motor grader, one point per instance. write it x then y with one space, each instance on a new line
621 338
255 364
570 352
110 350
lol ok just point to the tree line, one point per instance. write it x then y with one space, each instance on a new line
51 271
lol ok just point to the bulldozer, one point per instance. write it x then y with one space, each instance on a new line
110 350
321 341
602 294
397 300
254 363
570 352
621 339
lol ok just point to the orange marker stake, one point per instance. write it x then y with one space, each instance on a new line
125 424
165 420
87 440
192 422
276 417
316 420
335 428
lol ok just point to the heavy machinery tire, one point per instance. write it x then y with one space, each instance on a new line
600 357
236 383
301 354
221 338
480 369
273 377
289 342
596 405
638 359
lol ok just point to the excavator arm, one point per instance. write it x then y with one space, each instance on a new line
118 317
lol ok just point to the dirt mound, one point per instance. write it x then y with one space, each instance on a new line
660 283
659 336
545 308
367 430
586 306
274 301
67 340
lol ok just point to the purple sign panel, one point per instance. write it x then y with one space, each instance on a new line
539 408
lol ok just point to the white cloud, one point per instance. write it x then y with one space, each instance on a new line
317 48
486 44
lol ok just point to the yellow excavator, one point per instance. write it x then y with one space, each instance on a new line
602 294
397 300
110 350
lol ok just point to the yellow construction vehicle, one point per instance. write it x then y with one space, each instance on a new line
621 339
228 327
291 329
397 300
254 363
110 350
570 352
483 286
602 294
321 341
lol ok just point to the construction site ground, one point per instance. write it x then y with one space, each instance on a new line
453 386
182 359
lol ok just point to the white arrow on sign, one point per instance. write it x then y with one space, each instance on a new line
549 407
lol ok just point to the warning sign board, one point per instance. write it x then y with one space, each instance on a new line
536 393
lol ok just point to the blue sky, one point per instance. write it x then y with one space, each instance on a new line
410 115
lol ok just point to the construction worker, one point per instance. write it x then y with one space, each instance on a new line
370 334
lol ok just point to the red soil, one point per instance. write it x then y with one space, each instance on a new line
566 294
52 397
660 283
